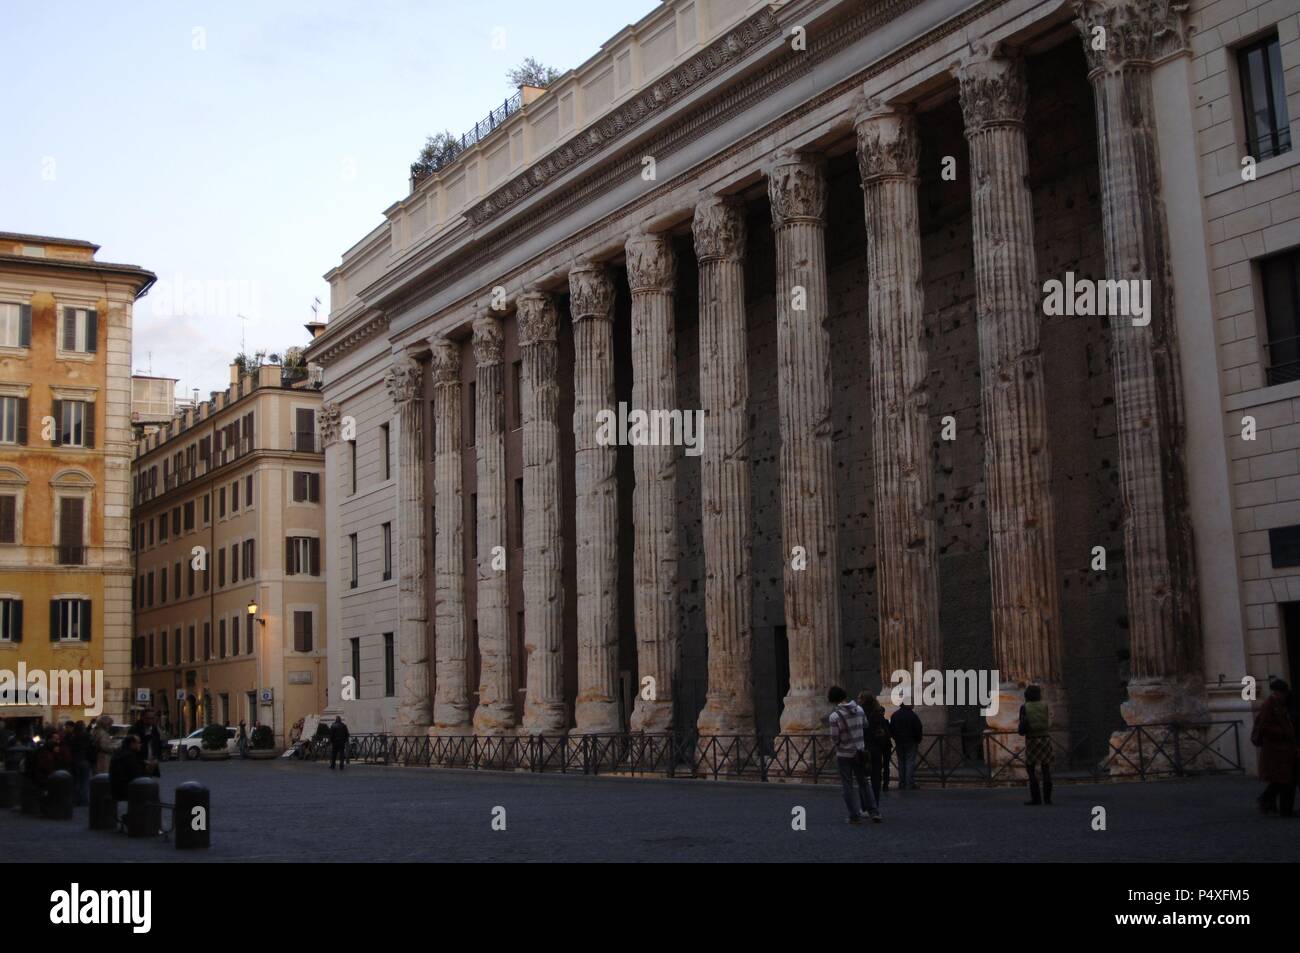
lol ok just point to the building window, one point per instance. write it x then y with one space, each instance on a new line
207 641
70 620
207 508
221 567
1268 127
189 644
176 581
390 676
162 586
301 556
248 491
234 563
72 538
1280 276
387 533
11 620
176 520
352 453
8 518
176 642
162 528
306 487
234 497
221 503
304 437
148 591
221 638
148 643
352 557
13 420
302 631
74 423
249 553
80 331
355 645
189 516
385 449
15 325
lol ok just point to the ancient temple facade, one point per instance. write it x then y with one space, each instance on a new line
785 345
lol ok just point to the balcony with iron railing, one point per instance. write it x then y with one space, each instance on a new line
482 128
70 555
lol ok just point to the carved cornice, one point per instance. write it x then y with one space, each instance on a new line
489 342
330 419
445 361
888 146
796 186
405 379
723 53
992 88
591 292
537 318
364 330
719 228
1130 32
651 263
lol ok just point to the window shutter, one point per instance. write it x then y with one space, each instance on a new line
58 422
71 516
86 622
88 429
315 556
313 487
24 325
54 620
69 329
92 331
306 631
22 421
8 519
297 631
289 568
251 569
16 620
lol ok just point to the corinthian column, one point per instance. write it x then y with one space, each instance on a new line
907 584
404 380
495 712
544 709
1163 611
652 278
451 682
1022 534
797 189
724 396
595 478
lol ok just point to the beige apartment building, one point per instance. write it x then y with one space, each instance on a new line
227 532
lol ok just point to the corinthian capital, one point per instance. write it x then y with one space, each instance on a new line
445 361
330 418
591 292
796 187
537 317
992 88
404 378
1121 33
719 228
651 263
888 146
488 340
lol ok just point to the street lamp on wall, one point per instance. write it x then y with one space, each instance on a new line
252 610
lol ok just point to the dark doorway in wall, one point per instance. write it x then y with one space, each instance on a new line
1289 613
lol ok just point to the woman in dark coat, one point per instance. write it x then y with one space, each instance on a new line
1274 735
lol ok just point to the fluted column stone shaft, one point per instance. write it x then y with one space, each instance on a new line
595 477
404 381
907 585
1163 605
1022 525
797 189
652 276
545 712
719 229
495 712
451 683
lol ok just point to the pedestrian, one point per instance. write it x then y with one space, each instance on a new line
1274 735
243 739
338 743
879 743
82 756
127 764
848 725
1035 726
906 730
102 743
151 743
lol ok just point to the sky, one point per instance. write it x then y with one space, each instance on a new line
237 149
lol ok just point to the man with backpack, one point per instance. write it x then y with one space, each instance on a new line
848 724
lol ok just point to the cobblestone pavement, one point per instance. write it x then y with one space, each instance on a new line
282 811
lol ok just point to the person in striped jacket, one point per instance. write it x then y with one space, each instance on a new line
848 729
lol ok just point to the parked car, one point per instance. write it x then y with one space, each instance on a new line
192 743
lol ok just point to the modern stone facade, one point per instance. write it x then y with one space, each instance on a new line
829 227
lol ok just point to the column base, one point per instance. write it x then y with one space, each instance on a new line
492 719
1156 711
596 716
652 716
804 712
411 721
720 718
545 720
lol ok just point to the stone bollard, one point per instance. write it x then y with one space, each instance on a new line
57 803
29 795
103 809
191 818
9 781
143 810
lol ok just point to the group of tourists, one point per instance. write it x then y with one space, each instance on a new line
864 737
